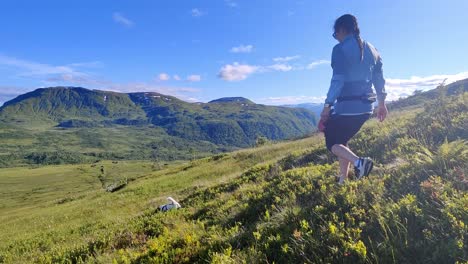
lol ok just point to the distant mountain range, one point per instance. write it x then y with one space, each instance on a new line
225 122
316 108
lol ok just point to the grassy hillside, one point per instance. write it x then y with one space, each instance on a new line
277 203
62 208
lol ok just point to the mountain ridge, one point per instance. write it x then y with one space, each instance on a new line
84 116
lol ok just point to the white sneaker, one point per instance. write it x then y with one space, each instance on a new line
363 168
341 180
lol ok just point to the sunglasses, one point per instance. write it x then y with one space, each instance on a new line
334 35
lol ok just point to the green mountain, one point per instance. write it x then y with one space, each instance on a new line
97 122
240 100
275 203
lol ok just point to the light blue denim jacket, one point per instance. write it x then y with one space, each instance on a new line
353 78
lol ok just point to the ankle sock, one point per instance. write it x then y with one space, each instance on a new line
356 163
341 179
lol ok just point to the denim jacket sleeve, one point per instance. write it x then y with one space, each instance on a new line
338 63
378 80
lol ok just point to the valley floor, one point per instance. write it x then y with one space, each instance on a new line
53 207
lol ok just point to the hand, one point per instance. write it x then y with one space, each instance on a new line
382 112
325 114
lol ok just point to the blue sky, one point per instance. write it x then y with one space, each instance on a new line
273 52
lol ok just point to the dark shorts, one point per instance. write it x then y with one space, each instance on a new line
339 129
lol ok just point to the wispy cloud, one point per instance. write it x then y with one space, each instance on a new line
122 20
28 68
68 79
314 64
90 64
230 3
242 49
280 67
176 77
164 77
9 92
239 72
286 59
197 12
73 72
194 78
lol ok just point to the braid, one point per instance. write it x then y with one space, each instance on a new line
360 43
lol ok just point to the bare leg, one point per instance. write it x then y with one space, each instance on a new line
344 167
344 152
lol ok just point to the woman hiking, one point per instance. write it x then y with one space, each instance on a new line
357 67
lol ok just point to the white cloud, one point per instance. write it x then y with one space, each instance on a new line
242 49
122 20
230 3
236 71
280 67
47 73
90 64
30 68
164 77
239 72
286 100
68 79
194 78
197 12
9 92
176 77
285 59
397 88
314 64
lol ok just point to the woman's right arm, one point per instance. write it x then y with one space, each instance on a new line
379 81
379 86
